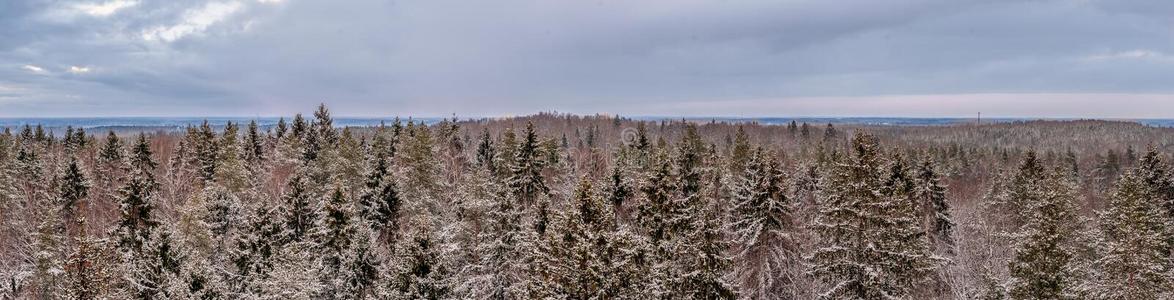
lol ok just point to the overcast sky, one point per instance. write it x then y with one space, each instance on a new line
921 58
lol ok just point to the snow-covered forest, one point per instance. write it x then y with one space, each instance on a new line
588 207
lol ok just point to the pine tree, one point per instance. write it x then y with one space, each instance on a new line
619 194
575 254
654 211
230 168
280 129
740 153
254 254
1135 264
501 268
1160 186
87 266
1010 198
486 152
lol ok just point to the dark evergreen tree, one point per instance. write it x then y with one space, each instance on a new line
254 145
871 245
421 273
526 179
380 203
1135 262
1044 259
934 209
137 201
299 211
762 229
206 151
74 187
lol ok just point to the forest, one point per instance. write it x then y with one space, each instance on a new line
560 206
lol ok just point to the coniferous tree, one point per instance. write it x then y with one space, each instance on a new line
74 187
761 227
299 212
87 266
335 235
870 242
420 273
1044 259
934 209
485 152
380 203
526 172
206 151
254 145
111 165
231 169
137 200
1134 264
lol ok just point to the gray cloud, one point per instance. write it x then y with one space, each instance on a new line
473 58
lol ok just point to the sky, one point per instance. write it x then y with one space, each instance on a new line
743 58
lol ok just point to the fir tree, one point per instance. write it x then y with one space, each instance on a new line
335 235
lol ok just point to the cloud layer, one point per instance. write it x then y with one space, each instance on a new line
658 57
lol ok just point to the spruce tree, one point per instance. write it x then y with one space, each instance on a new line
1134 264
576 253
930 197
870 243
74 187
335 234
380 203
254 145
526 178
137 200
111 165
1044 258
420 273
762 229
298 212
